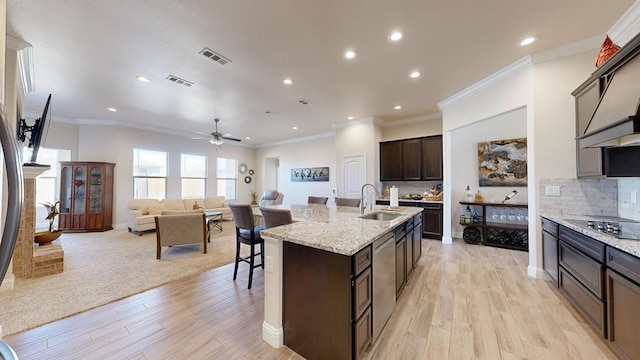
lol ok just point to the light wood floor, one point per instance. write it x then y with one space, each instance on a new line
462 302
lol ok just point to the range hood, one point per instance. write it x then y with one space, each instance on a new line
616 119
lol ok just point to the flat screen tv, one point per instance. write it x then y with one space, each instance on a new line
36 131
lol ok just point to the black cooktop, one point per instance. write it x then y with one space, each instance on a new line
611 225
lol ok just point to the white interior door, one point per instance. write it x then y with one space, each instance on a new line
353 170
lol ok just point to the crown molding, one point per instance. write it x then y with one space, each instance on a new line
297 140
412 120
345 124
592 43
629 21
24 51
504 73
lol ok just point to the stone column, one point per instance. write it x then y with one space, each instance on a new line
23 258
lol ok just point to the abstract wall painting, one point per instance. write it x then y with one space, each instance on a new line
310 174
503 162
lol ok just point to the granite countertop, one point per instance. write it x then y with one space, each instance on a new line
338 229
413 201
629 246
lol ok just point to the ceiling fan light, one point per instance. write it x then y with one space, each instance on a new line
216 141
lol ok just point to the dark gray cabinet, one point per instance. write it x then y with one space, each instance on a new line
550 248
588 161
411 159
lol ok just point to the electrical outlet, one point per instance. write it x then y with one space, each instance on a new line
552 190
269 264
634 197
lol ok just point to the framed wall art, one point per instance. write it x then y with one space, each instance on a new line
310 174
503 162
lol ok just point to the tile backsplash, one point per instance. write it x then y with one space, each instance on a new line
580 197
410 187
627 208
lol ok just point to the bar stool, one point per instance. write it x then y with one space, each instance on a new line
317 200
249 234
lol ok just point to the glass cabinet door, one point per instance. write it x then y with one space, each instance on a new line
65 190
80 183
95 198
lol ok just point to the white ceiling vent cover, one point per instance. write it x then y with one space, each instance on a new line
180 81
214 56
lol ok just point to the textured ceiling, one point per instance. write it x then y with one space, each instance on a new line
88 53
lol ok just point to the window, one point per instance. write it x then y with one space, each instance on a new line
48 183
149 174
193 169
226 170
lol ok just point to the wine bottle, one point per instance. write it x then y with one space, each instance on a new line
510 195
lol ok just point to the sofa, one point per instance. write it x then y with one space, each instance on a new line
141 213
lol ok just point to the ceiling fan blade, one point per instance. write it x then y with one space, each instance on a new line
201 133
230 138
200 138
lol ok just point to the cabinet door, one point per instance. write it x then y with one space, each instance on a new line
95 200
432 221
432 158
79 201
362 333
362 293
412 159
588 161
391 161
408 258
550 257
401 276
417 244
623 297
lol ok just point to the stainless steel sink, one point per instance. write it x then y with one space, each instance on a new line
380 216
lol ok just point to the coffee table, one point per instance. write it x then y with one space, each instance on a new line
214 220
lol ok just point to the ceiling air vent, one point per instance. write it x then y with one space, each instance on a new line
214 56
180 81
304 102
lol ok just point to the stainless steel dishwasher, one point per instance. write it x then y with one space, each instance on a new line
384 281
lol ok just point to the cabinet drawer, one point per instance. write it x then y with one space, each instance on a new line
362 293
591 308
362 334
399 233
432 206
361 260
625 264
417 220
585 244
586 270
408 226
550 227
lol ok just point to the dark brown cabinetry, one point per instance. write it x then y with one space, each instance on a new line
550 248
391 161
417 239
588 161
432 158
432 221
327 299
623 297
411 159
86 196
581 275
401 259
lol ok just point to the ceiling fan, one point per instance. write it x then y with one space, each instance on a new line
215 137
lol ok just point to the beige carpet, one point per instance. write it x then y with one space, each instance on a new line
102 267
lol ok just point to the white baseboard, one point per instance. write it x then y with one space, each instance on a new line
447 240
120 226
536 272
273 336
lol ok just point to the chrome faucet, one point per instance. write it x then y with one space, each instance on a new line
362 203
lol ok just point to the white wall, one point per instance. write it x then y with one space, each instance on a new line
360 137
116 144
465 152
314 152
412 128
63 136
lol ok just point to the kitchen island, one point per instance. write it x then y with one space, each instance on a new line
318 279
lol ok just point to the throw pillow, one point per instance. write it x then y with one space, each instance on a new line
156 209
606 51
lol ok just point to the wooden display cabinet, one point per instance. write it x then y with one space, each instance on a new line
86 196
500 230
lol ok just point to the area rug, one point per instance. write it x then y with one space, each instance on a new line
103 267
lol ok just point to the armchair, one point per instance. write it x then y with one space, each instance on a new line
271 197
181 229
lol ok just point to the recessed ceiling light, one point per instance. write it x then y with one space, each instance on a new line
143 78
415 74
294 128
112 109
248 138
395 36
398 107
350 54
350 118
527 41
287 81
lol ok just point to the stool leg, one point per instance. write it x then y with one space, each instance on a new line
253 254
262 253
235 270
